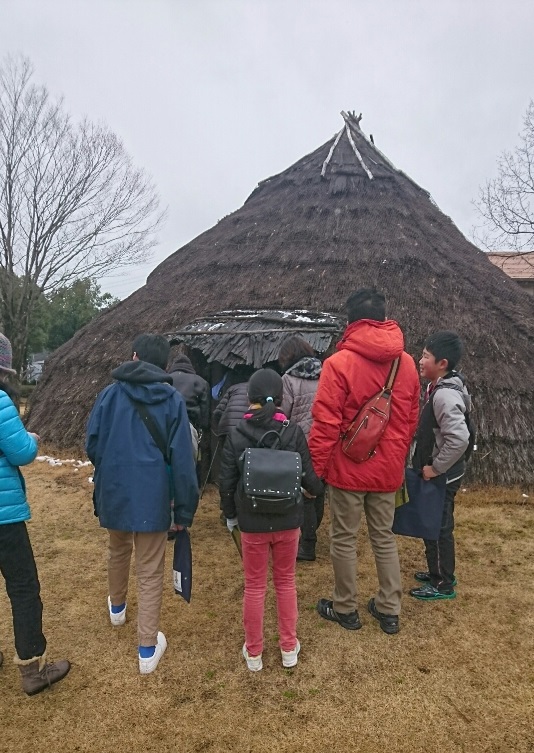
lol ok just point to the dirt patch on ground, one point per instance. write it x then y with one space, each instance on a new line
459 676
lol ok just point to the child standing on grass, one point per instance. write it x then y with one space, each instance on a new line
441 441
263 535
17 563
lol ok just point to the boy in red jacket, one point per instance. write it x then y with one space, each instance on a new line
349 378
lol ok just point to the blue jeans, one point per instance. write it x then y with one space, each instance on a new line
18 568
440 555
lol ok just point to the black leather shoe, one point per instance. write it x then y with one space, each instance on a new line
389 623
350 621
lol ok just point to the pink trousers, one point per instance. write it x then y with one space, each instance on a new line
256 549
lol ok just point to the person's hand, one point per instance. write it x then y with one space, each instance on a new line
428 472
34 435
307 494
179 528
231 523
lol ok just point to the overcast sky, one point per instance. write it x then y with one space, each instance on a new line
212 96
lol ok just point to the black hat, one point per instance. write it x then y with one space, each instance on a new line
265 384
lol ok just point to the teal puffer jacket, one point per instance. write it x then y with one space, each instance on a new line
17 447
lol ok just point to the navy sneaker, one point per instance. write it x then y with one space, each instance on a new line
424 577
429 593
350 621
389 623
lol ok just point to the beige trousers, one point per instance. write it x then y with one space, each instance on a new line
149 566
345 514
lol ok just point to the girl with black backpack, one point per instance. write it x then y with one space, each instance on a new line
262 533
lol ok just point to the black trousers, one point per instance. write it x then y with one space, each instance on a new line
440 554
313 515
18 568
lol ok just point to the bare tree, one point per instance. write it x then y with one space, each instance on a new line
72 205
506 203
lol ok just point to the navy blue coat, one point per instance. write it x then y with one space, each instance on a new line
133 485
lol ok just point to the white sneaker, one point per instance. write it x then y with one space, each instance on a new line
254 663
290 658
117 618
146 666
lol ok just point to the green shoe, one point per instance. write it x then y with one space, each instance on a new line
424 577
429 593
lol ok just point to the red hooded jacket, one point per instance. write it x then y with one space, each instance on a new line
348 379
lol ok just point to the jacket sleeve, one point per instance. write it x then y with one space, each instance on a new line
93 428
449 413
288 396
327 414
221 407
184 477
204 402
229 476
18 446
310 481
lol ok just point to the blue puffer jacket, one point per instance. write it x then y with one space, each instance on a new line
133 486
17 447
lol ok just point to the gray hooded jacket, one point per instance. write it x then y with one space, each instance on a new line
451 434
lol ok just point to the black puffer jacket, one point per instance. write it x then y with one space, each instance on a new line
233 406
194 390
233 500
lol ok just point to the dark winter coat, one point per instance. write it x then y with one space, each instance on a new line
300 385
231 409
133 484
235 503
194 390
348 379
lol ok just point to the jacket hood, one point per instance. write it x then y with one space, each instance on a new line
143 381
456 381
307 368
182 363
376 341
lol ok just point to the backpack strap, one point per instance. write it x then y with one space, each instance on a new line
388 387
152 427
259 442
392 375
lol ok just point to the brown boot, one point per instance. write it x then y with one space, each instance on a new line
37 675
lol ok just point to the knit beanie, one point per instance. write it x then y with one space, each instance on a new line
6 355
263 384
182 363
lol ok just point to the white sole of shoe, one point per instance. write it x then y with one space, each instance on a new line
254 663
117 618
146 666
290 658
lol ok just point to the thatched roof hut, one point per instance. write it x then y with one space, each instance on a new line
339 218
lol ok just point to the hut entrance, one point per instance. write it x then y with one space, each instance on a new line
227 347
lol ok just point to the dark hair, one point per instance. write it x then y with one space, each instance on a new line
366 303
445 344
264 384
293 349
153 349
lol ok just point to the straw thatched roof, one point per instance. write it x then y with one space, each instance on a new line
340 218
254 337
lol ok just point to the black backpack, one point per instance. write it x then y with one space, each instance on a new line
271 477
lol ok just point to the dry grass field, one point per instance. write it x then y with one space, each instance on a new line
459 676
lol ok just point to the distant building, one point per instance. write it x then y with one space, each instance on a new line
35 366
517 265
